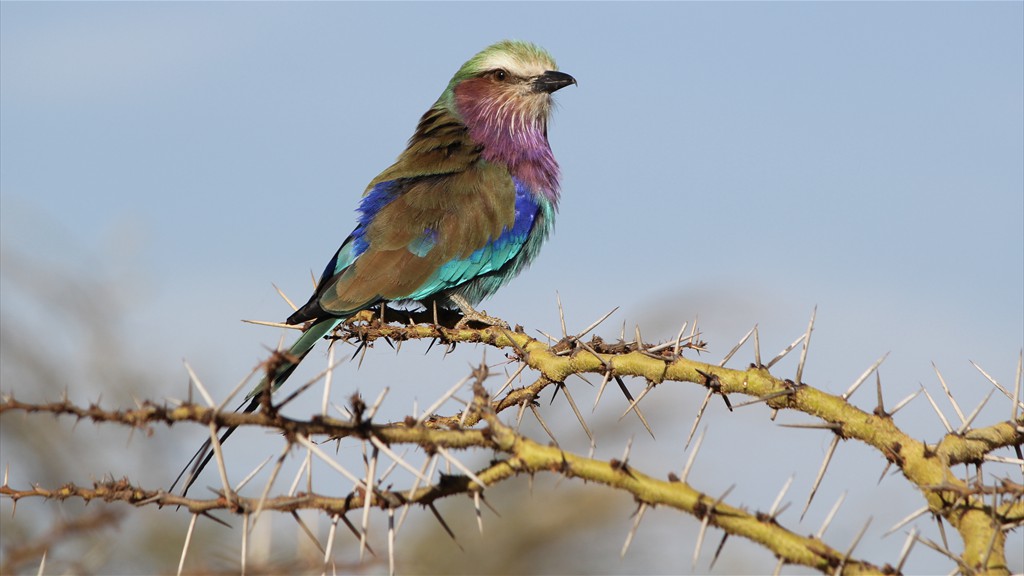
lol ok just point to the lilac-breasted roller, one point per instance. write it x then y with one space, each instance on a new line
462 211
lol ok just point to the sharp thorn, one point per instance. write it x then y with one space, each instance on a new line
329 548
785 351
718 551
551 339
509 380
314 449
935 406
1017 388
905 401
391 542
853 545
376 404
600 391
831 514
632 405
380 445
767 397
274 324
700 414
587 330
734 348
462 467
238 487
188 541
444 525
945 388
888 464
444 398
306 530
821 474
974 414
906 520
774 510
1015 397
814 426
757 347
543 424
880 408
693 455
807 344
479 514
628 450
371 473
561 314
245 541
285 297
860 380
704 522
905 552
636 409
679 340
636 524
199 386
576 411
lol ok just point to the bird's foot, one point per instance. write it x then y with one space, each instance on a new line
469 314
480 317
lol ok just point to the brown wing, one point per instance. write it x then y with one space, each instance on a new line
448 203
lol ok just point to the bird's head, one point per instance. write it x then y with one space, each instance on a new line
503 94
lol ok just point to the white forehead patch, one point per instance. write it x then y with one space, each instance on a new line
519 66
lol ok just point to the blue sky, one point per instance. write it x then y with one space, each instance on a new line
738 162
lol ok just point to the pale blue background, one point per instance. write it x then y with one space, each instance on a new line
738 162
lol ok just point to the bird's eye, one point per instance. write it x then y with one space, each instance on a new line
500 75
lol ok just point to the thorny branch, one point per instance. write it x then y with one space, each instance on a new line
982 514
98 519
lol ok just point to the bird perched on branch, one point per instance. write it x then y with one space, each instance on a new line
462 211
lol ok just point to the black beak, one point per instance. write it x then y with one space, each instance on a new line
552 80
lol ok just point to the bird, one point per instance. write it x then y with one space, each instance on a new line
464 209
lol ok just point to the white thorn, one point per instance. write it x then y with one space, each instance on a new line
285 297
831 515
731 352
444 398
807 344
636 524
907 519
785 351
188 541
693 455
821 474
274 324
199 386
942 416
945 388
853 388
782 494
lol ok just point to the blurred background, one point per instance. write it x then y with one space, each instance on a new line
162 165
